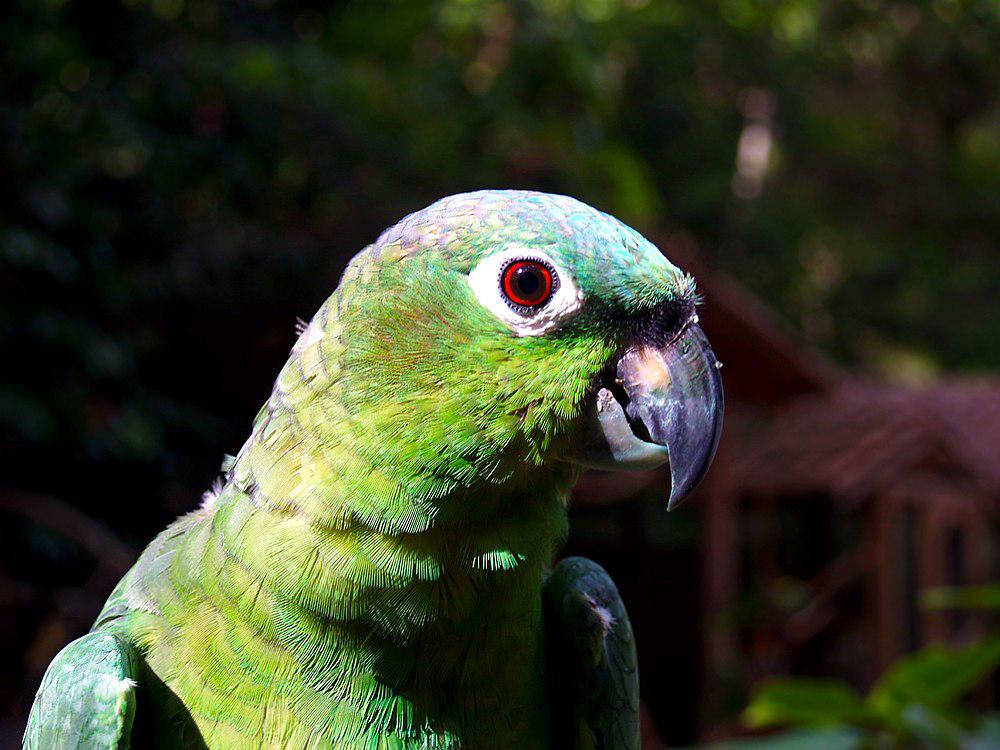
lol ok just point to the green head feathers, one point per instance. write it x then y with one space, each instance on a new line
426 366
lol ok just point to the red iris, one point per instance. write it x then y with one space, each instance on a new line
527 283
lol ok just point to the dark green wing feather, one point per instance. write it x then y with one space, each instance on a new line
592 671
87 697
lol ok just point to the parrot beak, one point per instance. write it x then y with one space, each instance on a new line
661 403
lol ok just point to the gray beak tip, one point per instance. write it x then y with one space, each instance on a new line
676 498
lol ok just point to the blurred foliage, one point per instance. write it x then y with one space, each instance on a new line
962 597
915 704
800 739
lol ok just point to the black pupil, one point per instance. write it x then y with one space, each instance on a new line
527 281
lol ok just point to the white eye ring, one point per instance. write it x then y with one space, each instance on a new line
485 281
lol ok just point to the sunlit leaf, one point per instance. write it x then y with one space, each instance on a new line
934 677
962 597
804 702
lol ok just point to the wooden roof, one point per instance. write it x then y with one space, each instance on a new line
865 439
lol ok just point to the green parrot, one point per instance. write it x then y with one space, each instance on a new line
375 571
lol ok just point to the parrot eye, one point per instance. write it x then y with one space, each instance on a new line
527 284
526 289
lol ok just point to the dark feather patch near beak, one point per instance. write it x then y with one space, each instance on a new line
663 323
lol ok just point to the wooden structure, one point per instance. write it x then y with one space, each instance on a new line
890 490
920 467
833 502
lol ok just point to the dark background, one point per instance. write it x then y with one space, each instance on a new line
184 178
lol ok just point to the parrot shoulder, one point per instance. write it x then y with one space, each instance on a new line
87 697
591 664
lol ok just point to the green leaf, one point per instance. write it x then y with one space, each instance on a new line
935 676
799 739
932 728
963 597
986 736
805 702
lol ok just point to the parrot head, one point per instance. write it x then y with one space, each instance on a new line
498 332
